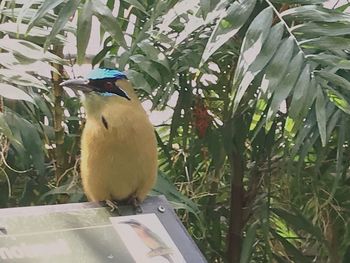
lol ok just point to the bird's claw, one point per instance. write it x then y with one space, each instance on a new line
3 230
136 204
113 206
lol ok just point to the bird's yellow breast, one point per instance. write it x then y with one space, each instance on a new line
119 154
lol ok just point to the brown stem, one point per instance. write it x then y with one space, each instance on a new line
58 115
236 208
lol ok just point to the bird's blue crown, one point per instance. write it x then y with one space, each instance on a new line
106 73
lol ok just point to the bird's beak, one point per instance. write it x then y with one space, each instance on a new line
78 84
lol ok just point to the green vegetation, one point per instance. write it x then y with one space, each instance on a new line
256 156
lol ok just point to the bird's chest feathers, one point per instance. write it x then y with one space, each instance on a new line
109 117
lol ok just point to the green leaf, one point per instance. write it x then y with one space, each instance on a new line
291 249
151 70
108 22
29 50
138 81
227 26
64 15
315 13
322 29
23 10
35 32
5 128
332 43
137 4
321 115
342 8
207 6
101 55
27 15
83 30
286 86
334 78
21 78
277 67
165 187
154 54
298 222
44 8
299 93
13 93
191 26
268 50
253 42
337 99
30 139
331 60
248 243
303 2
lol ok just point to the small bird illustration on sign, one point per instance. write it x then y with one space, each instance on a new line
151 240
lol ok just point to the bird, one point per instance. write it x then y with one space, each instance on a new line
118 143
151 240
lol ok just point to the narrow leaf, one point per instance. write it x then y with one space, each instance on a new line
44 8
83 30
268 50
332 43
4 127
298 222
137 4
331 60
29 50
286 86
291 249
337 99
139 81
154 54
248 244
108 22
335 79
322 29
276 69
315 13
23 10
303 2
301 88
14 93
253 42
151 70
20 78
227 26
321 115
64 15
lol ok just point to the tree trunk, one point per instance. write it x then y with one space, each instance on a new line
236 208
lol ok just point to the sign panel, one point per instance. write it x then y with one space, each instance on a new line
90 233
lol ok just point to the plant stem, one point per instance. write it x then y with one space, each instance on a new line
58 115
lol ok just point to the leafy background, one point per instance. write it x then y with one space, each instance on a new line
255 157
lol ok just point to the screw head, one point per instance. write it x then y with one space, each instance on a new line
161 209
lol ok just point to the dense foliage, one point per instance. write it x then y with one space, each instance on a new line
255 157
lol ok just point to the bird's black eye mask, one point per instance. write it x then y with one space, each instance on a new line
107 86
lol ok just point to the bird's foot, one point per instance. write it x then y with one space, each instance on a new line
3 230
135 202
113 206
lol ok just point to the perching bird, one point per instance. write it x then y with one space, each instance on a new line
118 145
151 240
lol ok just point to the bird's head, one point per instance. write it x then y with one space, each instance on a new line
102 81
